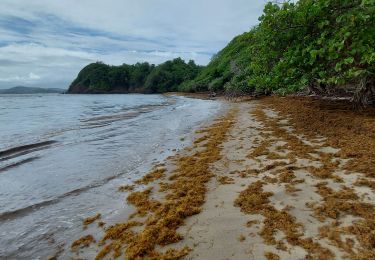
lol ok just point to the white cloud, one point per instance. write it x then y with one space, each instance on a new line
60 37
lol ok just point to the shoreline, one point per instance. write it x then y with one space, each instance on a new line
110 155
138 195
255 184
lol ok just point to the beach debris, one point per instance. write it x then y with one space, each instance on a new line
126 188
157 173
225 180
84 241
271 256
89 220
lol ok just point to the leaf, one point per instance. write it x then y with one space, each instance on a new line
338 66
349 60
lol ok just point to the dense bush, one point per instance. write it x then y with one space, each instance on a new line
315 44
319 44
230 61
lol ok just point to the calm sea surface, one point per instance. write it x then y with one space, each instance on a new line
62 158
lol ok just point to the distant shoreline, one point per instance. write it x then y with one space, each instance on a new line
31 90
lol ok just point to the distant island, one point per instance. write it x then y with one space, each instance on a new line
30 90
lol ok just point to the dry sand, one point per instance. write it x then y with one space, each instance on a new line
273 193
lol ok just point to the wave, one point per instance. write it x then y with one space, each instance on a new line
16 164
24 149
132 113
9 215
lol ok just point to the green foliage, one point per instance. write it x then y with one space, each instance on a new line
311 43
141 77
324 43
230 61
319 44
169 75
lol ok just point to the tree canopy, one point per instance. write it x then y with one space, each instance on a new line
141 77
317 44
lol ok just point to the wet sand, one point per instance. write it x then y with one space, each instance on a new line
262 182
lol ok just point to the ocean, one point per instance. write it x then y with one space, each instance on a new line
63 157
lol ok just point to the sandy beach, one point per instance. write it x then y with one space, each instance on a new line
260 182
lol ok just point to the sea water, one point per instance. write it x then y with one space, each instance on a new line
63 157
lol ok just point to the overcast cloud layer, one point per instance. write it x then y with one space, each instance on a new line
46 42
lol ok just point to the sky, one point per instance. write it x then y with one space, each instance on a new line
45 43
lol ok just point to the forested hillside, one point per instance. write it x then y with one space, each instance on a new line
141 77
323 46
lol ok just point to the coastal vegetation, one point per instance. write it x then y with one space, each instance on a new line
140 77
324 47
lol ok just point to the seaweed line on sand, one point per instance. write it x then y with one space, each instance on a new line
184 194
353 133
254 200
